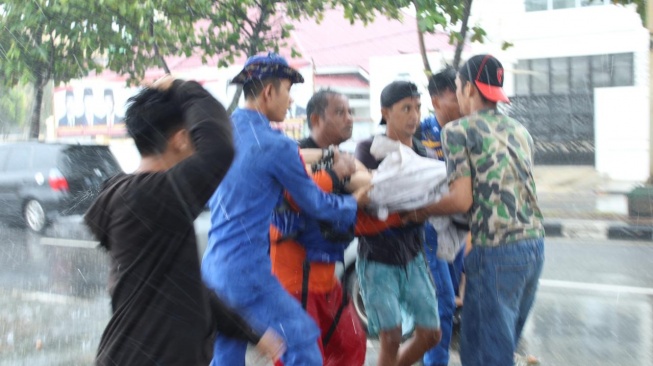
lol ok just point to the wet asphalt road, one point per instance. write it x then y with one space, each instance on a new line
594 307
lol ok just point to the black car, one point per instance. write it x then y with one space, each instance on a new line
41 181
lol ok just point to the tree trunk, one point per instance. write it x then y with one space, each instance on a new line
422 46
163 62
35 122
157 53
463 34
422 50
234 101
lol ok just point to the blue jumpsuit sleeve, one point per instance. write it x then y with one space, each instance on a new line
288 168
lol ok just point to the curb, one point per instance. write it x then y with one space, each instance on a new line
630 232
595 229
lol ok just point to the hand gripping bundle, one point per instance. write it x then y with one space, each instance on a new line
406 181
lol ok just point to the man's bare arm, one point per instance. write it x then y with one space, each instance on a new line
459 200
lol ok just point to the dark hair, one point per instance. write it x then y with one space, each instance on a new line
108 93
253 88
442 81
88 92
318 104
465 74
152 117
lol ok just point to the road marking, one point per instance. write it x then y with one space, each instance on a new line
597 287
47 297
71 243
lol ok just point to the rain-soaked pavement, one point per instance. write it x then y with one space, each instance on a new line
594 307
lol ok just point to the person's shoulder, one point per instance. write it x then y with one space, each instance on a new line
307 143
365 144
458 125
429 122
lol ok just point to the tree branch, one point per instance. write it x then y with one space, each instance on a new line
157 54
463 34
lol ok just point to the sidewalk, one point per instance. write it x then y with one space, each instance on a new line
577 202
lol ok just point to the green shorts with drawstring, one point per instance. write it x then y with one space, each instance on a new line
388 289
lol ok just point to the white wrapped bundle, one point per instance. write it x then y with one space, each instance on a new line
404 180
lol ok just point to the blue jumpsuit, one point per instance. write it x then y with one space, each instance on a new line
440 269
236 263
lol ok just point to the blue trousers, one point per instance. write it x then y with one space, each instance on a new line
439 355
264 303
500 290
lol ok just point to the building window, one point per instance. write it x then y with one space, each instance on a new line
592 2
536 5
560 75
539 5
563 4
540 76
523 78
573 75
601 70
580 75
623 70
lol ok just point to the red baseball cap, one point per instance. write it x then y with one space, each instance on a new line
487 74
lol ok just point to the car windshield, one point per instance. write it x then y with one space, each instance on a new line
85 160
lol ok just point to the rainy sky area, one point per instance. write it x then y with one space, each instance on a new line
578 74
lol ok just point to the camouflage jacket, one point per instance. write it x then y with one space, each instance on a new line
496 151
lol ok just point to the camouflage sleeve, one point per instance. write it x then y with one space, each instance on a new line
454 146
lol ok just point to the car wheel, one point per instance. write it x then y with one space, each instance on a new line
34 216
353 289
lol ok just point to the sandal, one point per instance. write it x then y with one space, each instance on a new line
528 360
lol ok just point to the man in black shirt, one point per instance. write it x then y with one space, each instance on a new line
391 268
163 314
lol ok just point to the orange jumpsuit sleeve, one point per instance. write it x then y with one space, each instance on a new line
368 225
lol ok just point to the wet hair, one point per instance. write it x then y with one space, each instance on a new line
253 88
318 104
443 81
151 118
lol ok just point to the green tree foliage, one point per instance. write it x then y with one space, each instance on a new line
14 109
246 27
45 40
140 34
451 16
59 40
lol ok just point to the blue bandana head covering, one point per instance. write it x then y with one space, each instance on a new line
267 66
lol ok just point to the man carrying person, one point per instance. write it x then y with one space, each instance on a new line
162 312
304 261
391 267
442 89
236 263
489 161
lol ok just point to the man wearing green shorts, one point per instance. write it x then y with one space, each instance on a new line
391 268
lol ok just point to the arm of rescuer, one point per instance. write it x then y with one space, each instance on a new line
460 197
366 224
328 180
